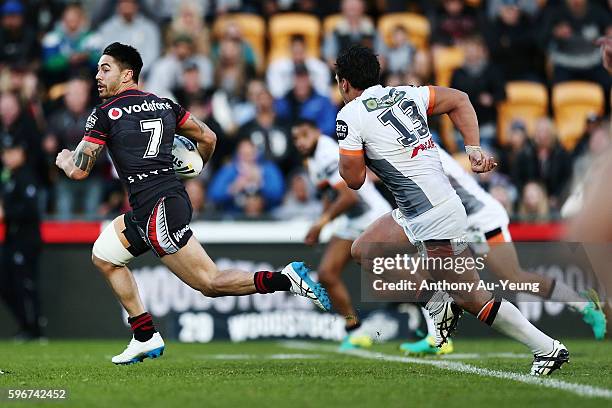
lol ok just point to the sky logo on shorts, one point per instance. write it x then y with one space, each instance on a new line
115 113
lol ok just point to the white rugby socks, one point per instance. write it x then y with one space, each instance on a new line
431 328
563 293
507 319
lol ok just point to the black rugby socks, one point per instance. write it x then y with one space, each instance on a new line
142 326
270 282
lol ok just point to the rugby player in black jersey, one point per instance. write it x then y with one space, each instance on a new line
138 128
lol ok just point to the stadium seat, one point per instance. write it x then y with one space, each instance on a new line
526 101
282 26
253 29
57 91
446 60
416 25
463 160
572 102
330 23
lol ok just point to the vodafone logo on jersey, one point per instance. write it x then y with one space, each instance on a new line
115 113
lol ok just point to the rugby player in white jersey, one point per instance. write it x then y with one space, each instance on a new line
352 212
488 234
387 129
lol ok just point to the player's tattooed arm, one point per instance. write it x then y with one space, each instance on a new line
86 154
195 129
78 164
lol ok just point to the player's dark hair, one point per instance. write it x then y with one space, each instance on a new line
127 56
359 66
305 122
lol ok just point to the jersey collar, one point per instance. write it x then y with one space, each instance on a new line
128 90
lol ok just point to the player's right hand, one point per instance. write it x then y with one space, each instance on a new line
63 158
480 162
312 237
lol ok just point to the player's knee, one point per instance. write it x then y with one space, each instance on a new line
356 250
108 251
103 266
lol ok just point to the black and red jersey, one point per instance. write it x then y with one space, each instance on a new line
138 128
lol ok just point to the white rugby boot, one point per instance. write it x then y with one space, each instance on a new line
137 351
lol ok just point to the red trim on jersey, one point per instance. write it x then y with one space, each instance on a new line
94 140
351 152
98 132
184 119
121 97
432 99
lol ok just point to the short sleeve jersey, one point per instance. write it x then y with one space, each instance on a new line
324 173
389 126
138 128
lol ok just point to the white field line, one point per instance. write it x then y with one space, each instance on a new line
480 356
578 389
258 356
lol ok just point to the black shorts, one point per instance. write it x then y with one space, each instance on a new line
165 231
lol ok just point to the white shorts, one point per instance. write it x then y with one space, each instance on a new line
479 240
491 216
351 228
446 220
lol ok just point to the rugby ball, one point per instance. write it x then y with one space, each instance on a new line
186 159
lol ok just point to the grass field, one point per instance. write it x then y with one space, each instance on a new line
296 374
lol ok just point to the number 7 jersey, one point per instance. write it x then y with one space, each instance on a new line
138 128
389 126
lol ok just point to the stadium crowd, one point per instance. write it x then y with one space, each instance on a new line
196 53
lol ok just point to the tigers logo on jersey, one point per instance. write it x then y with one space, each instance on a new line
385 102
115 113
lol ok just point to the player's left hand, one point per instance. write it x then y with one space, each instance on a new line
312 237
62 158
480 162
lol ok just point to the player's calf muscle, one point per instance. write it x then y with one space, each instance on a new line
208 288
328 277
